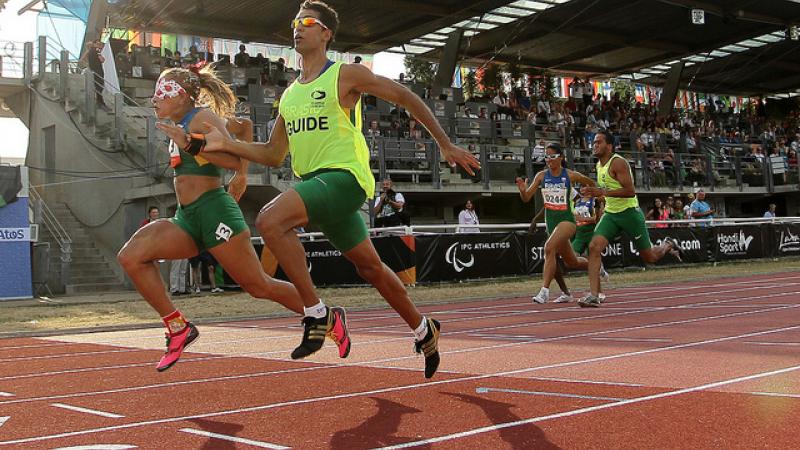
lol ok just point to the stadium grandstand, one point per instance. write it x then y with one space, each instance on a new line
700 99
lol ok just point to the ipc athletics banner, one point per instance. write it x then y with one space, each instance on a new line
451 257
329 267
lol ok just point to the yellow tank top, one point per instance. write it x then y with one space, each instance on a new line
322 134
606 181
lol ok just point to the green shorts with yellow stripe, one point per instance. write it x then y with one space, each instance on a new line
631 221
333 200
214 218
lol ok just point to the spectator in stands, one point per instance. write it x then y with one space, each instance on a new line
414 130
373 130
588 93
699 208
152 215
770 213
177 277
242 59
193 57
468 114
197 262
658 212
389 206
592 127
357 60
401 78
176 60
467 217
791 157
94 60
542 110
576 91
678 212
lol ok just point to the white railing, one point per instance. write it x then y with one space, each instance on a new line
436 229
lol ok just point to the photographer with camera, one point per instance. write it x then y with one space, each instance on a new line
389 207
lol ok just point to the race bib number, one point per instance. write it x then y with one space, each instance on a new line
555 198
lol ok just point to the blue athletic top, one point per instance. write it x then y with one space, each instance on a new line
186 164
584 209
557 191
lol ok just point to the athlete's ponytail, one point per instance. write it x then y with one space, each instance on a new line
205 88
216 93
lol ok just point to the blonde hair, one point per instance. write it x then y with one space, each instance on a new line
205 88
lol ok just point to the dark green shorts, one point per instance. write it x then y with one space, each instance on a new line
583 236
212 219
553 218
333 199
631 221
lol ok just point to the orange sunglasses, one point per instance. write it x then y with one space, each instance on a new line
307 22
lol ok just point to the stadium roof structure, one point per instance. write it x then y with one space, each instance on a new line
743 46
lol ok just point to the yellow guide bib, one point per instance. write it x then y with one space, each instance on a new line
322 134
606 181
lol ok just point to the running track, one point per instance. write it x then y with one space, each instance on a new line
710 364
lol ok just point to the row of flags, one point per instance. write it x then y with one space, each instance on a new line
645 94
211 46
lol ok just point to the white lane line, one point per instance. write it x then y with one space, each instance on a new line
6 394
99 447
624 339
383 329
570 380
239 440
773 343
373 342
407 387
589 409
470 349
3 420
621 292
88 411
775 394
486 390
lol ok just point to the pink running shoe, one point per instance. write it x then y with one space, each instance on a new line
176 344
337 330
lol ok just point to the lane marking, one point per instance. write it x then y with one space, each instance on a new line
772 343
485 390
624 339
775 394
589 409
88 411
407 387
470 349
570 380
3 420
539 311
6 394
225 437
99 447
554 321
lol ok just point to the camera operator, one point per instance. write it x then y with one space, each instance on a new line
389 207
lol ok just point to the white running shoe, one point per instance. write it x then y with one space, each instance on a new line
217 290
602 297
563 298
542 296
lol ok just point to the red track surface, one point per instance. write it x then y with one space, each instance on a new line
703 365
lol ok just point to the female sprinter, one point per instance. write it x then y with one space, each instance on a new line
556 182
207 217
